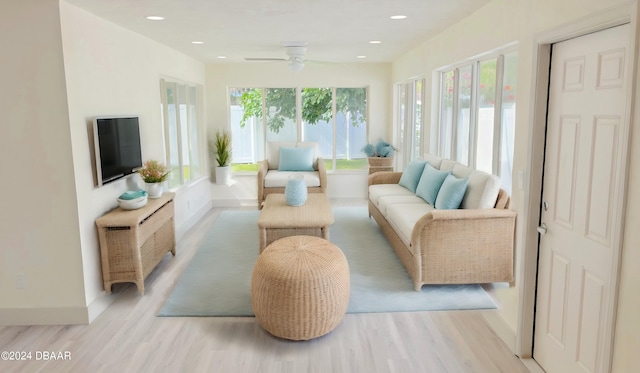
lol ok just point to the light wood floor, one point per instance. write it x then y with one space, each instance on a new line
128 337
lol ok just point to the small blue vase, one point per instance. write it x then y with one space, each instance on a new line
295 192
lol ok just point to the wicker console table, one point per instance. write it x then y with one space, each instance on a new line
132 242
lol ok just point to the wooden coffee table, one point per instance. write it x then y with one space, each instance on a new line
278 220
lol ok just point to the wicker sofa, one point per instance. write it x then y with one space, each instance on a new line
471 244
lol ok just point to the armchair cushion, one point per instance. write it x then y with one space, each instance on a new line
278 179
273 151
296 159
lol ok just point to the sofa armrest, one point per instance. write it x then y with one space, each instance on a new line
263 168
384 177
452 228
322 173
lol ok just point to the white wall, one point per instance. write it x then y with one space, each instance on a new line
113 71
65 67
39 234
499 23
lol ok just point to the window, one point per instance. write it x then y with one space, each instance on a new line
335 118
317 120
463 106
447 84
470 96
181 114
409 119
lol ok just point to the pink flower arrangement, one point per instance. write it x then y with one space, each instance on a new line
154 172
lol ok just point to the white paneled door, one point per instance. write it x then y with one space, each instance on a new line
581 210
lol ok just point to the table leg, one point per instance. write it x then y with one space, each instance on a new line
325 232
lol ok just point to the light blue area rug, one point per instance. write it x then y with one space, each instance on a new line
217 282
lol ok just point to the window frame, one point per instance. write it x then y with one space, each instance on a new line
299 124
192 119
442 136
407 122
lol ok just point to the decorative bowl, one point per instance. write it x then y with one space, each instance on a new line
132 200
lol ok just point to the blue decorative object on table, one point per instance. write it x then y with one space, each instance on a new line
132 199
295 192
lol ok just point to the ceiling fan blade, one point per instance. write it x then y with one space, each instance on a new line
264 59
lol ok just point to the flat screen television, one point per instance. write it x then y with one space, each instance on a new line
117 147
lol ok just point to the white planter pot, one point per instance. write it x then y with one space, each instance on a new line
223 175
154 190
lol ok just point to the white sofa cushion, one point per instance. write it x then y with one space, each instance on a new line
385 201
461 171
278 179
447 165
482 191
404 216
433 160
378 190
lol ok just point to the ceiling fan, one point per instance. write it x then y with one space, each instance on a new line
296 52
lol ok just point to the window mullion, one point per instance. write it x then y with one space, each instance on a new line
473 114
165 113
299 126
454 116
179 133
334 130
418 124
264 120
497 116
187 100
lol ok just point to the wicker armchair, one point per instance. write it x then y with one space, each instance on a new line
272 180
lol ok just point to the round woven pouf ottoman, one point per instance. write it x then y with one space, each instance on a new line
300 287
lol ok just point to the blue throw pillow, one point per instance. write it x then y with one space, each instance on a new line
451 193
296 159
430 183
411 175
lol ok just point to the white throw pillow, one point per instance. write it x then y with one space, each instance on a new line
433 160
482 191
447 165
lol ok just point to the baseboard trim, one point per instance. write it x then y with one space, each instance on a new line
193 220
501 328
532 365
103 301
44 316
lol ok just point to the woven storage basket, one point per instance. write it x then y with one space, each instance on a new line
300 287
380 161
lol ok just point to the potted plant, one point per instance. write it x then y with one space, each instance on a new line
380 156
154 173
220 147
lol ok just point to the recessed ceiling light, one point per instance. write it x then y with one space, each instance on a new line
222 57
361 57
375 42
155 18
399 16
197 42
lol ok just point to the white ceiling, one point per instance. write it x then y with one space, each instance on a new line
335 30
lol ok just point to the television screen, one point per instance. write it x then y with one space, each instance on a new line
117 143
